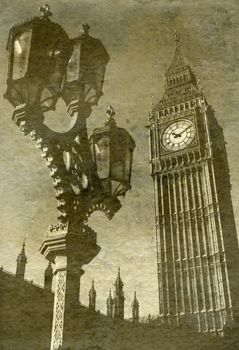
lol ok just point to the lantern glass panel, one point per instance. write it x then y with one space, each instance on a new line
119 149
102 157
73 67
117 170
21 52
128 165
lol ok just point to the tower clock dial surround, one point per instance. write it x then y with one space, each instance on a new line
178 135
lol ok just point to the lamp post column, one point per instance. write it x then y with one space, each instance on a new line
68 250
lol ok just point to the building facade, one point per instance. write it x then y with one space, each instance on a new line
197 247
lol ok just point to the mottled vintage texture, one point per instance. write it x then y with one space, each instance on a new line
139 38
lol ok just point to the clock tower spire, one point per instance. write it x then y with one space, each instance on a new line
197 248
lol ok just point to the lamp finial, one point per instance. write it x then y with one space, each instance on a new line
85 28
110 113
45 11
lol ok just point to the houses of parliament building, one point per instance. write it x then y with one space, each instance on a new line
27 309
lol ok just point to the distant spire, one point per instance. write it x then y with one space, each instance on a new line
92 297
22 255
21 263
92 290
135 300
119 298
48 277
135 309
109 304
118 282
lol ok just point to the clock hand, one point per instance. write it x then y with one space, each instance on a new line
188 127
176 135
179 135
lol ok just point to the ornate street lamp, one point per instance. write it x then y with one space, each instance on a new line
81 90
112 149
38 50
88 174
85 70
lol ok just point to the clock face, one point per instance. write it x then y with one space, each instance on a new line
178 135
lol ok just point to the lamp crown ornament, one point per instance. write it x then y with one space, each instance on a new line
110 111
110 120
45 11
85 29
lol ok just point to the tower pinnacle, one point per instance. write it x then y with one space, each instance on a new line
21 263
118 282
92 297
135 309
119 297
48 275
109 304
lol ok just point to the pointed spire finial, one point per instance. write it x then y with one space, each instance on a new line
24 240
110 296
119 271
135 301
92 285
23 254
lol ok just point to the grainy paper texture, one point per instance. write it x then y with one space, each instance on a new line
139 37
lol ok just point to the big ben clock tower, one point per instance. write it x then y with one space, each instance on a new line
197 247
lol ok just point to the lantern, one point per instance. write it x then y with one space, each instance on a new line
85 70
112 151
38 54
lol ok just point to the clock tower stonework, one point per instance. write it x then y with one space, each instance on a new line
197 246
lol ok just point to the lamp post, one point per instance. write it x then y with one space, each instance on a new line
88 173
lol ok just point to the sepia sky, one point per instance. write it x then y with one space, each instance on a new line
138 35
